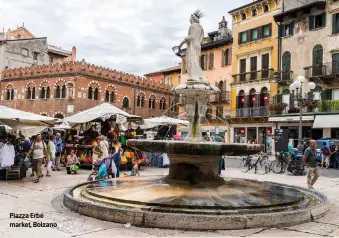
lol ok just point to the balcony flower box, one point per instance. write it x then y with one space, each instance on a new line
277 108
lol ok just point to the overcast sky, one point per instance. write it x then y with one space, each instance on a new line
134 36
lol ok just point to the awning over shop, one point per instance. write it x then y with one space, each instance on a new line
326 121
290 119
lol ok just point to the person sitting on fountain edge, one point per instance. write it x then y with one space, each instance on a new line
135 169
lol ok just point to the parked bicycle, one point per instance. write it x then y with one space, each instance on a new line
295 166
280 164
261 166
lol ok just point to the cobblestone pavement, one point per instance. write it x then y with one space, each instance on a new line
45 198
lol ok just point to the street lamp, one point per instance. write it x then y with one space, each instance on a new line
297 86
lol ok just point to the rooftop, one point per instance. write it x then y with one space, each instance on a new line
305 9
58 50
247 5
167 70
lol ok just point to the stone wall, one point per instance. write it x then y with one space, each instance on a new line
13 52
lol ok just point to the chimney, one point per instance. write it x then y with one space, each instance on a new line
74 54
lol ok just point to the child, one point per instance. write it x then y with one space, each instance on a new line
135 169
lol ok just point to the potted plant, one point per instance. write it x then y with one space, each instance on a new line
277 108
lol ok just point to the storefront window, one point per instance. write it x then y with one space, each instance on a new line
239 135
252 135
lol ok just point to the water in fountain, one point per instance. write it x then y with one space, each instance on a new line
193 196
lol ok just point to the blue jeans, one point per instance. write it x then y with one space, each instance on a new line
117 164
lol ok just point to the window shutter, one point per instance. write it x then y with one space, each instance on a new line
230 56
222 58
292 28
205 61
239 38
311 23
270 29
334 23
260 32
291 103
324 19
280 31
249 36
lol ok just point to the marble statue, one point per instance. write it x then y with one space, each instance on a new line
193 42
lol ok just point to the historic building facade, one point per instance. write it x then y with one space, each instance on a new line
215 61
309 36
254 62
20 48
60 90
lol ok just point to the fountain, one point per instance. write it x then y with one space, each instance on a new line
193 195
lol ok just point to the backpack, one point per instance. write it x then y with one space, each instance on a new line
326 151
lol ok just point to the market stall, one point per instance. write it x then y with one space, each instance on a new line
28 124
106 120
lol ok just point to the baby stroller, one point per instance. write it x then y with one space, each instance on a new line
100 172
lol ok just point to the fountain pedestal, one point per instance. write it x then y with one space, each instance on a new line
193 169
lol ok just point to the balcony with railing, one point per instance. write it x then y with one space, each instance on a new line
222 97
326 72
251 112
284 77
246 77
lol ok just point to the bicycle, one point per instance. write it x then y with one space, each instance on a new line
280 164
261 166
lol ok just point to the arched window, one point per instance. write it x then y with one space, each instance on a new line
31 93
252 98
286 97
90 93
63 92
266 8
243 16
48 92
125 103
45 92
254 12
151 102
163 104
58 92
107 94
286 66
59 116
264 97
241 99
112 98
318 52
96 94
10 94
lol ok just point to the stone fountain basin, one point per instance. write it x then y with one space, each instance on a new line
195 148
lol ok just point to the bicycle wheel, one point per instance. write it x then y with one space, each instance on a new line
263 166
245 165
276 166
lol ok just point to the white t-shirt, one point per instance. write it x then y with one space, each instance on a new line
38 149
104 147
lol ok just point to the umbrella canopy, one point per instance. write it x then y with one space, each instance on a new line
62 126
164 120
17 119
104 111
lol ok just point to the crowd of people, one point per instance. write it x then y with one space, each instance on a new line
46 155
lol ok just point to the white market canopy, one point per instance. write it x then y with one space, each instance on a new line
103 111
326 121
17 119
164 121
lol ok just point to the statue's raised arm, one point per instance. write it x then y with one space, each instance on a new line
193 42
